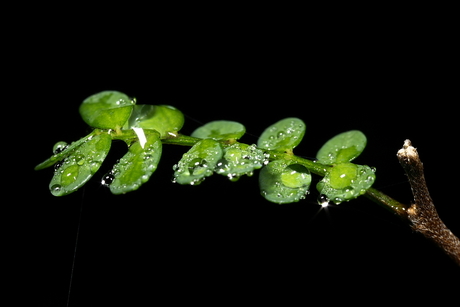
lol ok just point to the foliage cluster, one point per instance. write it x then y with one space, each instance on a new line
215 149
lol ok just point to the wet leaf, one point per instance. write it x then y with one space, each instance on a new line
282 183
220 130
138 164
198 163
106 110
284 135
346 181
81 162
162 118
239 160
344 147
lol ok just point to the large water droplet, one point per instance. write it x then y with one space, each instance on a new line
59 147
56 188
107 179
197 166
94 166
323 200
80 159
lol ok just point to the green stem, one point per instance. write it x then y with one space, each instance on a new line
313 166
387 202
182 140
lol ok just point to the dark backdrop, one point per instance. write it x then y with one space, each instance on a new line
221 240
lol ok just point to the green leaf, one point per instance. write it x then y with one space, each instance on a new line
220 130
239 160
344 147
198 163
284 135
346 181
282 183
81 162
138 164
106 110
164 119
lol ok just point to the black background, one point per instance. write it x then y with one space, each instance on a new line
221 241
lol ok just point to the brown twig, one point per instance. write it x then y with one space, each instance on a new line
422 214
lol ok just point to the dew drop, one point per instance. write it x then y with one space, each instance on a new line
107 179
58 165
56 188
197 166
323 200
80 159
59 147
94 166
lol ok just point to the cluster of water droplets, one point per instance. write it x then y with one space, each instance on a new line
198 163
285 134
364 179
238 161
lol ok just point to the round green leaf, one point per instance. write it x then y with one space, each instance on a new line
138 164
284 135
283 183
162 118
346 181
106 110
343 147
198 163
80 164
220 130
240 160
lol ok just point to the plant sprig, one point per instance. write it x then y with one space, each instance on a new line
283 178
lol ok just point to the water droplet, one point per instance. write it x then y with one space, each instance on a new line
56 188
197 166
58 165
94 166
59 147
80 159
107 179
323 200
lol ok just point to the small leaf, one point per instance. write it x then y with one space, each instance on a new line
282 183
162 118
138 164
106 110
344 147
220 130
80 164
284 135
198 163
240 160
346 181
